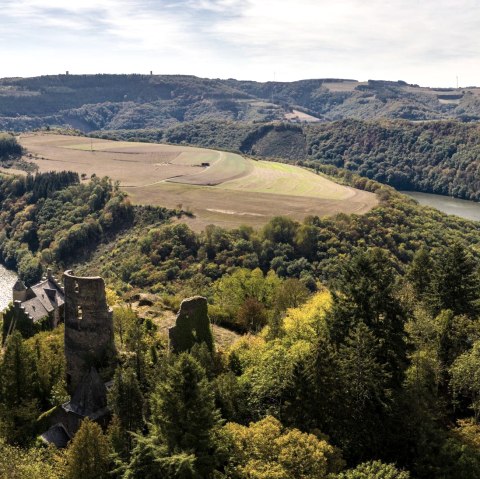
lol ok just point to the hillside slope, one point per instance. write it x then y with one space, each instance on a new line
102 102
440 157
219 188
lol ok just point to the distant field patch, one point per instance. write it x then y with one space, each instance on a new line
297 115
283 179
218 187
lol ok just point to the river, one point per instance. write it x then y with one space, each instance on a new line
452 206
7 280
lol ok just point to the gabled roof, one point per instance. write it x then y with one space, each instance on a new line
44 297
19 286
56 435
35 308
48 300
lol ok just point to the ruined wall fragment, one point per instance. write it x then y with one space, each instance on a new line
89 338
192 325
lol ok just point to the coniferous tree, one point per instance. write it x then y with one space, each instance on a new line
18 405
420 273
182 428
321 372
365 292
88 456
456 284
126 402
364 392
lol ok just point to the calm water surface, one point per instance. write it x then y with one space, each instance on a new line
452 206
7 280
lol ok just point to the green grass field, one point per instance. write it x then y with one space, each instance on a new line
283 179
228 167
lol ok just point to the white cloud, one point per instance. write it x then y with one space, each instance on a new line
421 41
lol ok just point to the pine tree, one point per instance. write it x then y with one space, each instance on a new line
183 423
420 273
365 292
88 456
456 283
322 374
126 400
183 409
18 405
364 392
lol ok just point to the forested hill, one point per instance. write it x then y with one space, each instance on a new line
95 102
434 157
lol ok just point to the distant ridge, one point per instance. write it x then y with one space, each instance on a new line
113 102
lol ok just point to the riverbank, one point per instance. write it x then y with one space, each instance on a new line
469 210
7 280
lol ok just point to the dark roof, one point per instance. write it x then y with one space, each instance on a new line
40 291
35 308
45 297
90 398
19 286
56 435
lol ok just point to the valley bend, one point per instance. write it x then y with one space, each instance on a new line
239 240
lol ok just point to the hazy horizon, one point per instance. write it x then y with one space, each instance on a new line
426 43
231 78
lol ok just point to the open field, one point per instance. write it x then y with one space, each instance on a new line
297 115
229 191
133 164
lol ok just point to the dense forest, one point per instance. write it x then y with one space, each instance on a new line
53 218
100 102
433 157
358 359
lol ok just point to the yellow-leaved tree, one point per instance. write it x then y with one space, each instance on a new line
267 450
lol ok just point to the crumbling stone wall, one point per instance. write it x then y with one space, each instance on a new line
15 318
192 325
88 328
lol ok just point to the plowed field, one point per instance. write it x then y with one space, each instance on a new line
218 187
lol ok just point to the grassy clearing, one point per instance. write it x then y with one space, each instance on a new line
283 179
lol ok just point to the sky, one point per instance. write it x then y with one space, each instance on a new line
427 42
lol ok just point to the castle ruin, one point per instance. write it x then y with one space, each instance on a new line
192 325
88 328
89 355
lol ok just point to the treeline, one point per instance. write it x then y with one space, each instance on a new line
9 147
51 218
433 157
42 185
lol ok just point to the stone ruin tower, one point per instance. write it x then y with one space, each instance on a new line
192 326
89 341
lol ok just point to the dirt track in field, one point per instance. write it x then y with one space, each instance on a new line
227 190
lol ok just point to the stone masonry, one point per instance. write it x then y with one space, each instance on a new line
89 341
192 325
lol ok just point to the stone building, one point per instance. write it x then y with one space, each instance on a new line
89 355
38 307
88 328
